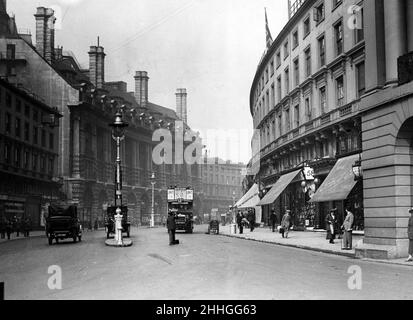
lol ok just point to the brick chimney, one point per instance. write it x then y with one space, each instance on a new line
141 88
45 33
181 104
97 66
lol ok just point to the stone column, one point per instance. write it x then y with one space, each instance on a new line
374 35
409 13
395 36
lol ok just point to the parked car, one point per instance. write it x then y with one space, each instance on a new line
63 223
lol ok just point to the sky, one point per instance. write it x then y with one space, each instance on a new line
210 47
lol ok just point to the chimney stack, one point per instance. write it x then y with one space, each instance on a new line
45 33
97 66
141 88
181 104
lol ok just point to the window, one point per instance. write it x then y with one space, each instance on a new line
51 141
295 39
319 13
322 50
308 70
361 79
272 68
359 26
43 164
43 138
287 120
308 111
51 166
338 33
307 27
266 75
17 156
8 122
27 111
287 81
18 128
340 91
35 159
272 96
7 153
336 3
286 50
279 93
35 135
35 115
267 101
18 106
278 59
280 129
26 159
26 131
11 52
323 100
8 100
296 72
297 116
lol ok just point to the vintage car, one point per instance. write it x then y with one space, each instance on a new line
110 221
63 223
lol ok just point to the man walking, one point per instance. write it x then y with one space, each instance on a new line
273 219
251 219
286 223
331 225
239 222
348 230
170 222
410 236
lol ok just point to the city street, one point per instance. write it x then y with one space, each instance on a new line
202 267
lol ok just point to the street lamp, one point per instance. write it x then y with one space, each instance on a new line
153 200
118 134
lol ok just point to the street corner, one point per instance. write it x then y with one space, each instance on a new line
114 243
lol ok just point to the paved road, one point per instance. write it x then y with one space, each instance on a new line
202 267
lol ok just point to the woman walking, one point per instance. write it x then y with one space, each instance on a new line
331 225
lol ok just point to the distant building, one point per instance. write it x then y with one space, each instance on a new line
85 145
222 184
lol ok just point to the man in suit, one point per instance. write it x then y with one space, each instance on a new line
273 220
331 225
171 225
286 224
348 230
239 218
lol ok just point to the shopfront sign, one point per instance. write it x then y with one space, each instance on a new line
308 173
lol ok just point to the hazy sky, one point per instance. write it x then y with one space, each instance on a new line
210 47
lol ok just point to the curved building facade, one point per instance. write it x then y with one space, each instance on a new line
332 102
305 104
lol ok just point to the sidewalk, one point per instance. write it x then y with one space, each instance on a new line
308 240
13 236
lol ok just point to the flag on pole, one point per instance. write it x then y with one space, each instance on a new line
268 32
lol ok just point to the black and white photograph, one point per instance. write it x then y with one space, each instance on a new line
206 155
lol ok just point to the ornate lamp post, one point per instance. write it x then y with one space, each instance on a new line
118 134
153 200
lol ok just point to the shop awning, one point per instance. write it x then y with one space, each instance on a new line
339 183
251 192
250 203
278 188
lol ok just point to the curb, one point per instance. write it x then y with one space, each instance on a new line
344 254
22 238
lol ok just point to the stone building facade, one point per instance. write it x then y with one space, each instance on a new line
88 104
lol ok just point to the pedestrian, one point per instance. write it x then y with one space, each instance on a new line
286 224
410 235
239 222
3 227
347 227
9 228
27 227
251 219
171 224
273 220
17 226
96 224
331 225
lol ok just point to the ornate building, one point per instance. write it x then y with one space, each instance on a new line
86 150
